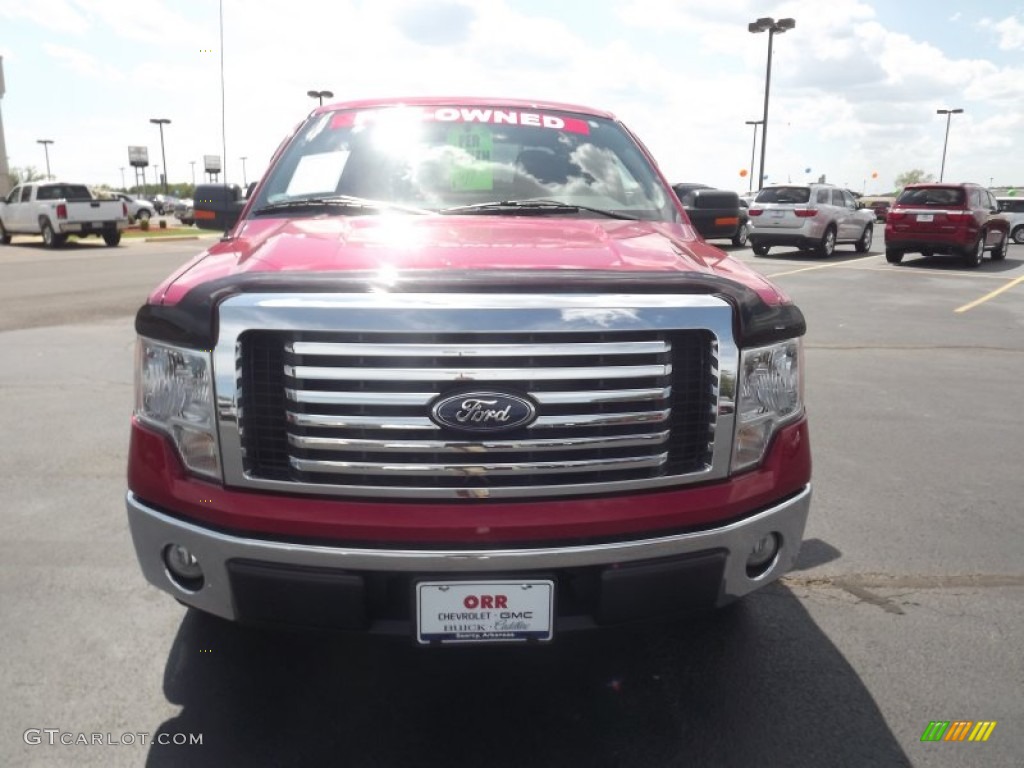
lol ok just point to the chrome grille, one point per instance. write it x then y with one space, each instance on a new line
353 409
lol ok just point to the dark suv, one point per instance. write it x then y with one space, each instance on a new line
955 219
714 213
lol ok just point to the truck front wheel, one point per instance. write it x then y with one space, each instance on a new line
111 238
5 236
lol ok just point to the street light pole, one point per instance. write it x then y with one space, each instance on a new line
46 150
162 121
772 27
123 185
319 95
753 147
245 181
193 164
949 114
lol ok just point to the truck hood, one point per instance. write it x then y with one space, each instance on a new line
403 244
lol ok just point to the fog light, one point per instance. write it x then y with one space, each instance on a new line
762 555
183 567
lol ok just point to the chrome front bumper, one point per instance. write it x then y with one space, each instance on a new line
152 532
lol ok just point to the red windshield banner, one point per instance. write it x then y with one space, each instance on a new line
469 115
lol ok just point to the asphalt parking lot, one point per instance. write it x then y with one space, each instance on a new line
906 606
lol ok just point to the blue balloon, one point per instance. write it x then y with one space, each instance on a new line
807 170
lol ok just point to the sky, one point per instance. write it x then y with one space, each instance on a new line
854 88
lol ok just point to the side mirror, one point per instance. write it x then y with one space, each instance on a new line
217 206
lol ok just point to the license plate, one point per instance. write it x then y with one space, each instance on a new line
777 214
924 217
499 611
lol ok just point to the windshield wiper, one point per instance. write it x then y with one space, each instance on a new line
342 202
532 206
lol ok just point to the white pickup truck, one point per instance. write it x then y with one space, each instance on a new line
56 210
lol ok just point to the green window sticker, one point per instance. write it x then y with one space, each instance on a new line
471 170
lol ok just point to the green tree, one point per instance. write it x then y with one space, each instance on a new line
24 175
916 176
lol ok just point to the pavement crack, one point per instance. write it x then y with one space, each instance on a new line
867 596
910 581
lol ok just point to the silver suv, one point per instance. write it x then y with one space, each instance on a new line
1012 209
810 217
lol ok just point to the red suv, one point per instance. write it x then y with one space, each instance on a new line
956 219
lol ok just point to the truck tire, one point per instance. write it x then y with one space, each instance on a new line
827 246
111 238
976 252
143 215
760 250
893 256
864 244
50 238
1018 235
5 236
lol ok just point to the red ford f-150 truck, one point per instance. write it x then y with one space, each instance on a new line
463 371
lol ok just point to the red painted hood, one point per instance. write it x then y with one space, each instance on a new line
403 242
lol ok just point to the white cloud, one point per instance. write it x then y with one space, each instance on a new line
1010 31
83 63
55 15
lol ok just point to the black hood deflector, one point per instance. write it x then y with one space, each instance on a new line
192 322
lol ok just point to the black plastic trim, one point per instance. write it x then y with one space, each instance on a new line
192 322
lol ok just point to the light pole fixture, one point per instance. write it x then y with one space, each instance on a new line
753 147
772 27
162 121
245 181
46 150
949 114
320 95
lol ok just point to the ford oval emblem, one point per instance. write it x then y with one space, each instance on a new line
483 412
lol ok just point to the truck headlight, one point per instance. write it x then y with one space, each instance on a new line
174 393
769 395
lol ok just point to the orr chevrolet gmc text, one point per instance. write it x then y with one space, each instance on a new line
462 371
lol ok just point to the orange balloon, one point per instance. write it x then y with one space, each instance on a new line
874 174
743 172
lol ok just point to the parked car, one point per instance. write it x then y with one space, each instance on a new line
184 209
137 207
1012 209
878 205
952 219
810 217
164 204
715 213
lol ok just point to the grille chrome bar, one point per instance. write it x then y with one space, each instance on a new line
362 397
339 421
478 446
476 350
323 373
478 470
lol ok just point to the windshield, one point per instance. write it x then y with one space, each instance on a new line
439 158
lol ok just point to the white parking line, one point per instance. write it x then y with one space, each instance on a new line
823 266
